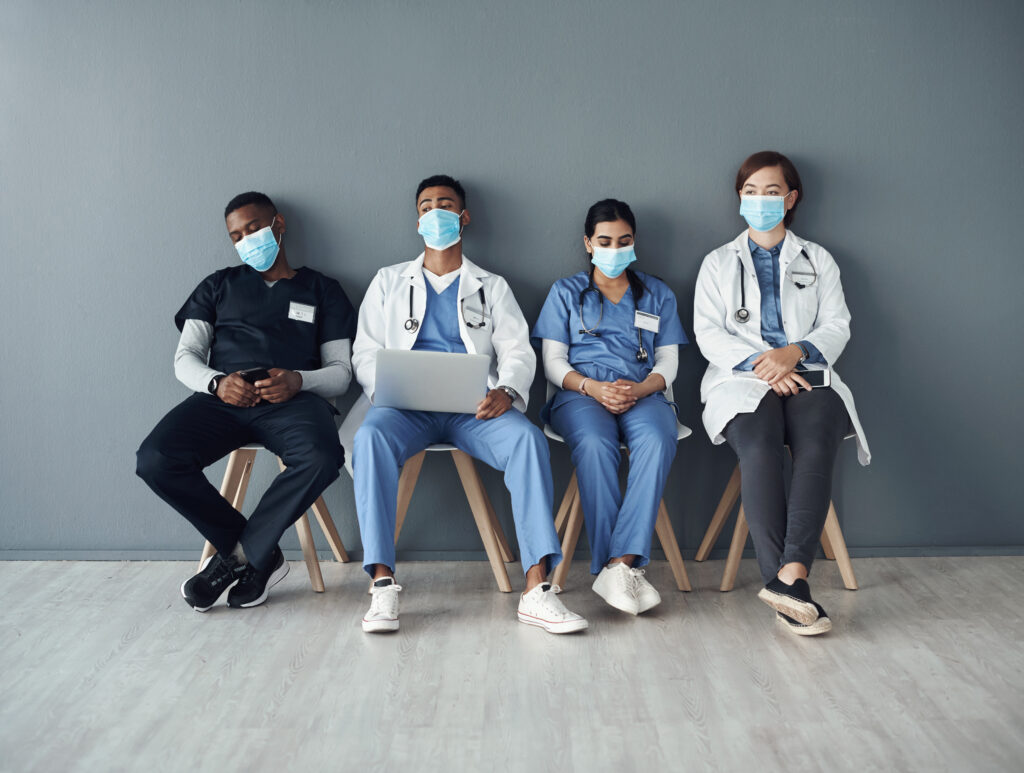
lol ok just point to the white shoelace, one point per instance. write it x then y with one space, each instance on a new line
627 580
384 603
638 580
553 605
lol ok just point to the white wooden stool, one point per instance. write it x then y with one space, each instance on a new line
233 488
831 537
569 520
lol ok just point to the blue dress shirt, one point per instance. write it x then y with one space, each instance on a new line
766 266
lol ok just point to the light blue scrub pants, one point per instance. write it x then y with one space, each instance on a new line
617 525
510 442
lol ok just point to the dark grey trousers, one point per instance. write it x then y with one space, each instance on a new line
813 425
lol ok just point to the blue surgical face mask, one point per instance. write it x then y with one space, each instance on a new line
612 262
763 213
440 228
259 249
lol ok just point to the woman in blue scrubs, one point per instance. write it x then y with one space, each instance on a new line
610 342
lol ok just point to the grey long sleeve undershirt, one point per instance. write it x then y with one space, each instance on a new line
191 359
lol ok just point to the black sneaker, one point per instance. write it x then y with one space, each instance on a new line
255 584
819 626
791 600
219 573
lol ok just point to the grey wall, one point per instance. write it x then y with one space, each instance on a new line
125 127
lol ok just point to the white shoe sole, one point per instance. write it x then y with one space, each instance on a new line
567 626
627 605
643 608
275 578
801 611
818 627
380 626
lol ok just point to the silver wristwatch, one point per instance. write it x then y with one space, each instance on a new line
513 395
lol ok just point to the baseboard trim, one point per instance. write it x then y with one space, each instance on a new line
479 555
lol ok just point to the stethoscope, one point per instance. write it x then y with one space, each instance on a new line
641 351
742 315
412 324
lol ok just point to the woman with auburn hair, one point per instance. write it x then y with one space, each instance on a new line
771 319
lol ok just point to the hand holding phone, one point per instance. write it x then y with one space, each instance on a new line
254 374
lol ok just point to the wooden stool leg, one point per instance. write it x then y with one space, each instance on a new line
208 550
233 487
826 543
667 537
330 530
477 497
732 563
243 457
506 550
406 485
571 492
316 579
835 536
725 506
574 522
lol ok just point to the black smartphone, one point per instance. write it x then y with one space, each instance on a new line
254 375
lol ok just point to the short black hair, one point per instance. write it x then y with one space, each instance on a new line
245 199
442 179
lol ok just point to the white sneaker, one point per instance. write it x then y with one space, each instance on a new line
646 594
383 614
616 584
542 608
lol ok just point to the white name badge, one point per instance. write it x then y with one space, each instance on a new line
646 321
301 312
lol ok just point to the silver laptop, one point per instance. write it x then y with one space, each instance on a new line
430 381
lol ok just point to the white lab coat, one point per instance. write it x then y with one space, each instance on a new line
385 308
817 314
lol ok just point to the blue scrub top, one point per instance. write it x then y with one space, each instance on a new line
612 355
440 329
254 326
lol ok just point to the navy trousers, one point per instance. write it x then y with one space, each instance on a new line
202 429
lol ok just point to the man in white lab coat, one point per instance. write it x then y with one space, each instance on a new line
441 301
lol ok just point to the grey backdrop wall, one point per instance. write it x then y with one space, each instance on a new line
126 126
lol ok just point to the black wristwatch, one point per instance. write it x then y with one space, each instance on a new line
214 383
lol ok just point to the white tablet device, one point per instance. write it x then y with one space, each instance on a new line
430 381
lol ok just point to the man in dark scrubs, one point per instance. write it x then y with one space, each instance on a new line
296 325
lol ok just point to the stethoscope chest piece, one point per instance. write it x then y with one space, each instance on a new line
412 324
741 315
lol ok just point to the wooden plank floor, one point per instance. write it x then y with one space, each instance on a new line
105 668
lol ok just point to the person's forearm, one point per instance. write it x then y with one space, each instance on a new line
190 358
574 381
335 376
666 363
555 355
655 382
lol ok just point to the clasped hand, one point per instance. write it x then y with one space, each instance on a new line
777 367
281 387
616 396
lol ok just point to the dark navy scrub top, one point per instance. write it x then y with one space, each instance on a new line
255 326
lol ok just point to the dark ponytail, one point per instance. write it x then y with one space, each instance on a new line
607 211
